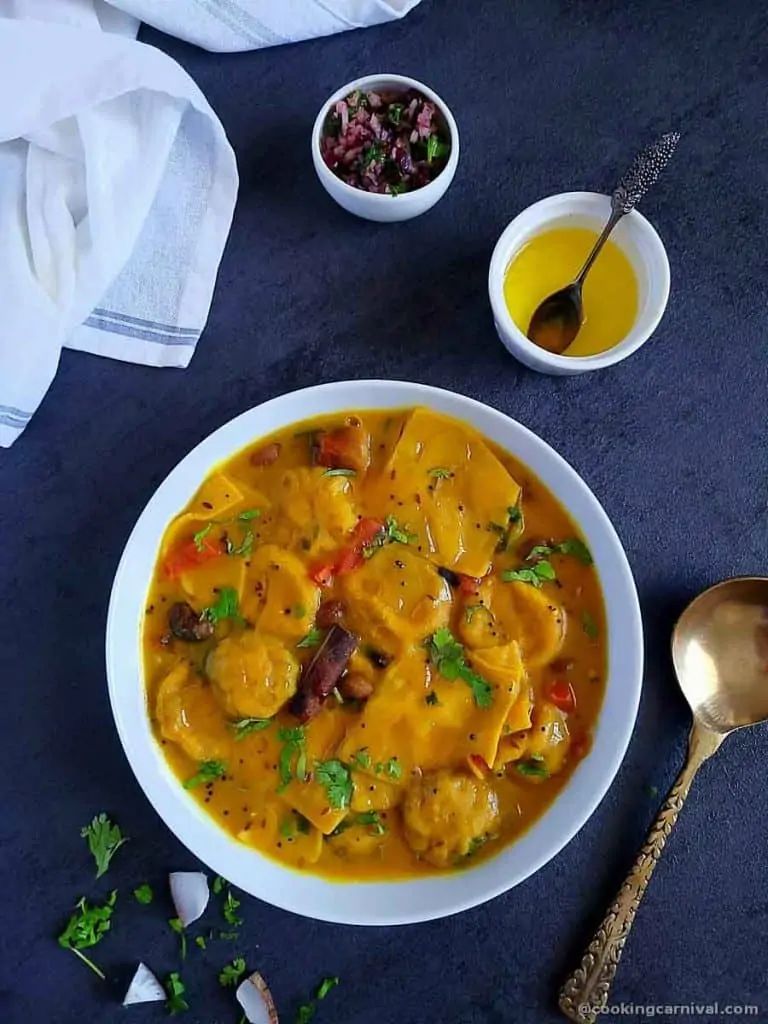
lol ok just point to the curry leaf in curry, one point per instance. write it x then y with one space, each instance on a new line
104 840
175 989
231 973
227 607
143 894
87 927
334 776
447 655
589 625
312 639
207 771
245 726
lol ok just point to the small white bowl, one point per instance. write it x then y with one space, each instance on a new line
373 903
633 234
372 205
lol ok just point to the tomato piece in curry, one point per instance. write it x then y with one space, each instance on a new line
374 646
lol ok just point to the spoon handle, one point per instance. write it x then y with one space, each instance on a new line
585 992
647 166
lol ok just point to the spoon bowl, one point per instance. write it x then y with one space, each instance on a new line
720 654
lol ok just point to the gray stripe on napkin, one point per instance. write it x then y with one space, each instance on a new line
131 331
241 22
11 412
153 325
335 14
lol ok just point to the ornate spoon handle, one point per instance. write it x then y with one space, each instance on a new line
645 169
586 990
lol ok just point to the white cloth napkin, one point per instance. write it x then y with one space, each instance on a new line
117 186
227 25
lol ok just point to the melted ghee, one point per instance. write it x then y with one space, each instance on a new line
549 261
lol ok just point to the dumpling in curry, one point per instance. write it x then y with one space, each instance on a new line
253 675
447 815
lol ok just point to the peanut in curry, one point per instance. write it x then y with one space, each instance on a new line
374 646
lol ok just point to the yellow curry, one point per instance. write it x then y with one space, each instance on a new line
374 646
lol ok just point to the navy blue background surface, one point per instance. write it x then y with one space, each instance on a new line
550 96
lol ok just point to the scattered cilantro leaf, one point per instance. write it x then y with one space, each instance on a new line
287 828
293 756
340 472
476 843
104 840
249 513
433 148
227 607
361 759
87 927
143 894
230 974
390 768
372 154
373 822
589 625
312 639
395 112
244 548
447 655
245 726
207 771
175 989
200 536
178 927
577 548
230 910
218 885
440 473
325 987
533 766
299 611
305 1013
394 532
432 698
200 941
334 776
538 574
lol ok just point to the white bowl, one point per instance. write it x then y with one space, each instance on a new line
633 234
372 903
372 205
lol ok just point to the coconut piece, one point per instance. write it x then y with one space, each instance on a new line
144 988
256 1000
190 895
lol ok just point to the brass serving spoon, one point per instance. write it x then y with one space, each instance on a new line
720 654
558 319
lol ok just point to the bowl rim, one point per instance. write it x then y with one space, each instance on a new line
393 902
368 82
506 247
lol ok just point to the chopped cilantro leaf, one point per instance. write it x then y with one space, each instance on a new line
541 572
433 148
390 768
362 759
175 990
326 984
218 885
334 776
312 639
245 726
207 771
104 840
245 546
589 625
372 820
200 941
200 536
576 547
440 473
230 974
178 927
287 828
533 766
88 927
395 533
395 112
293 756
229 910
447 655
143 894
249 513
227 607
